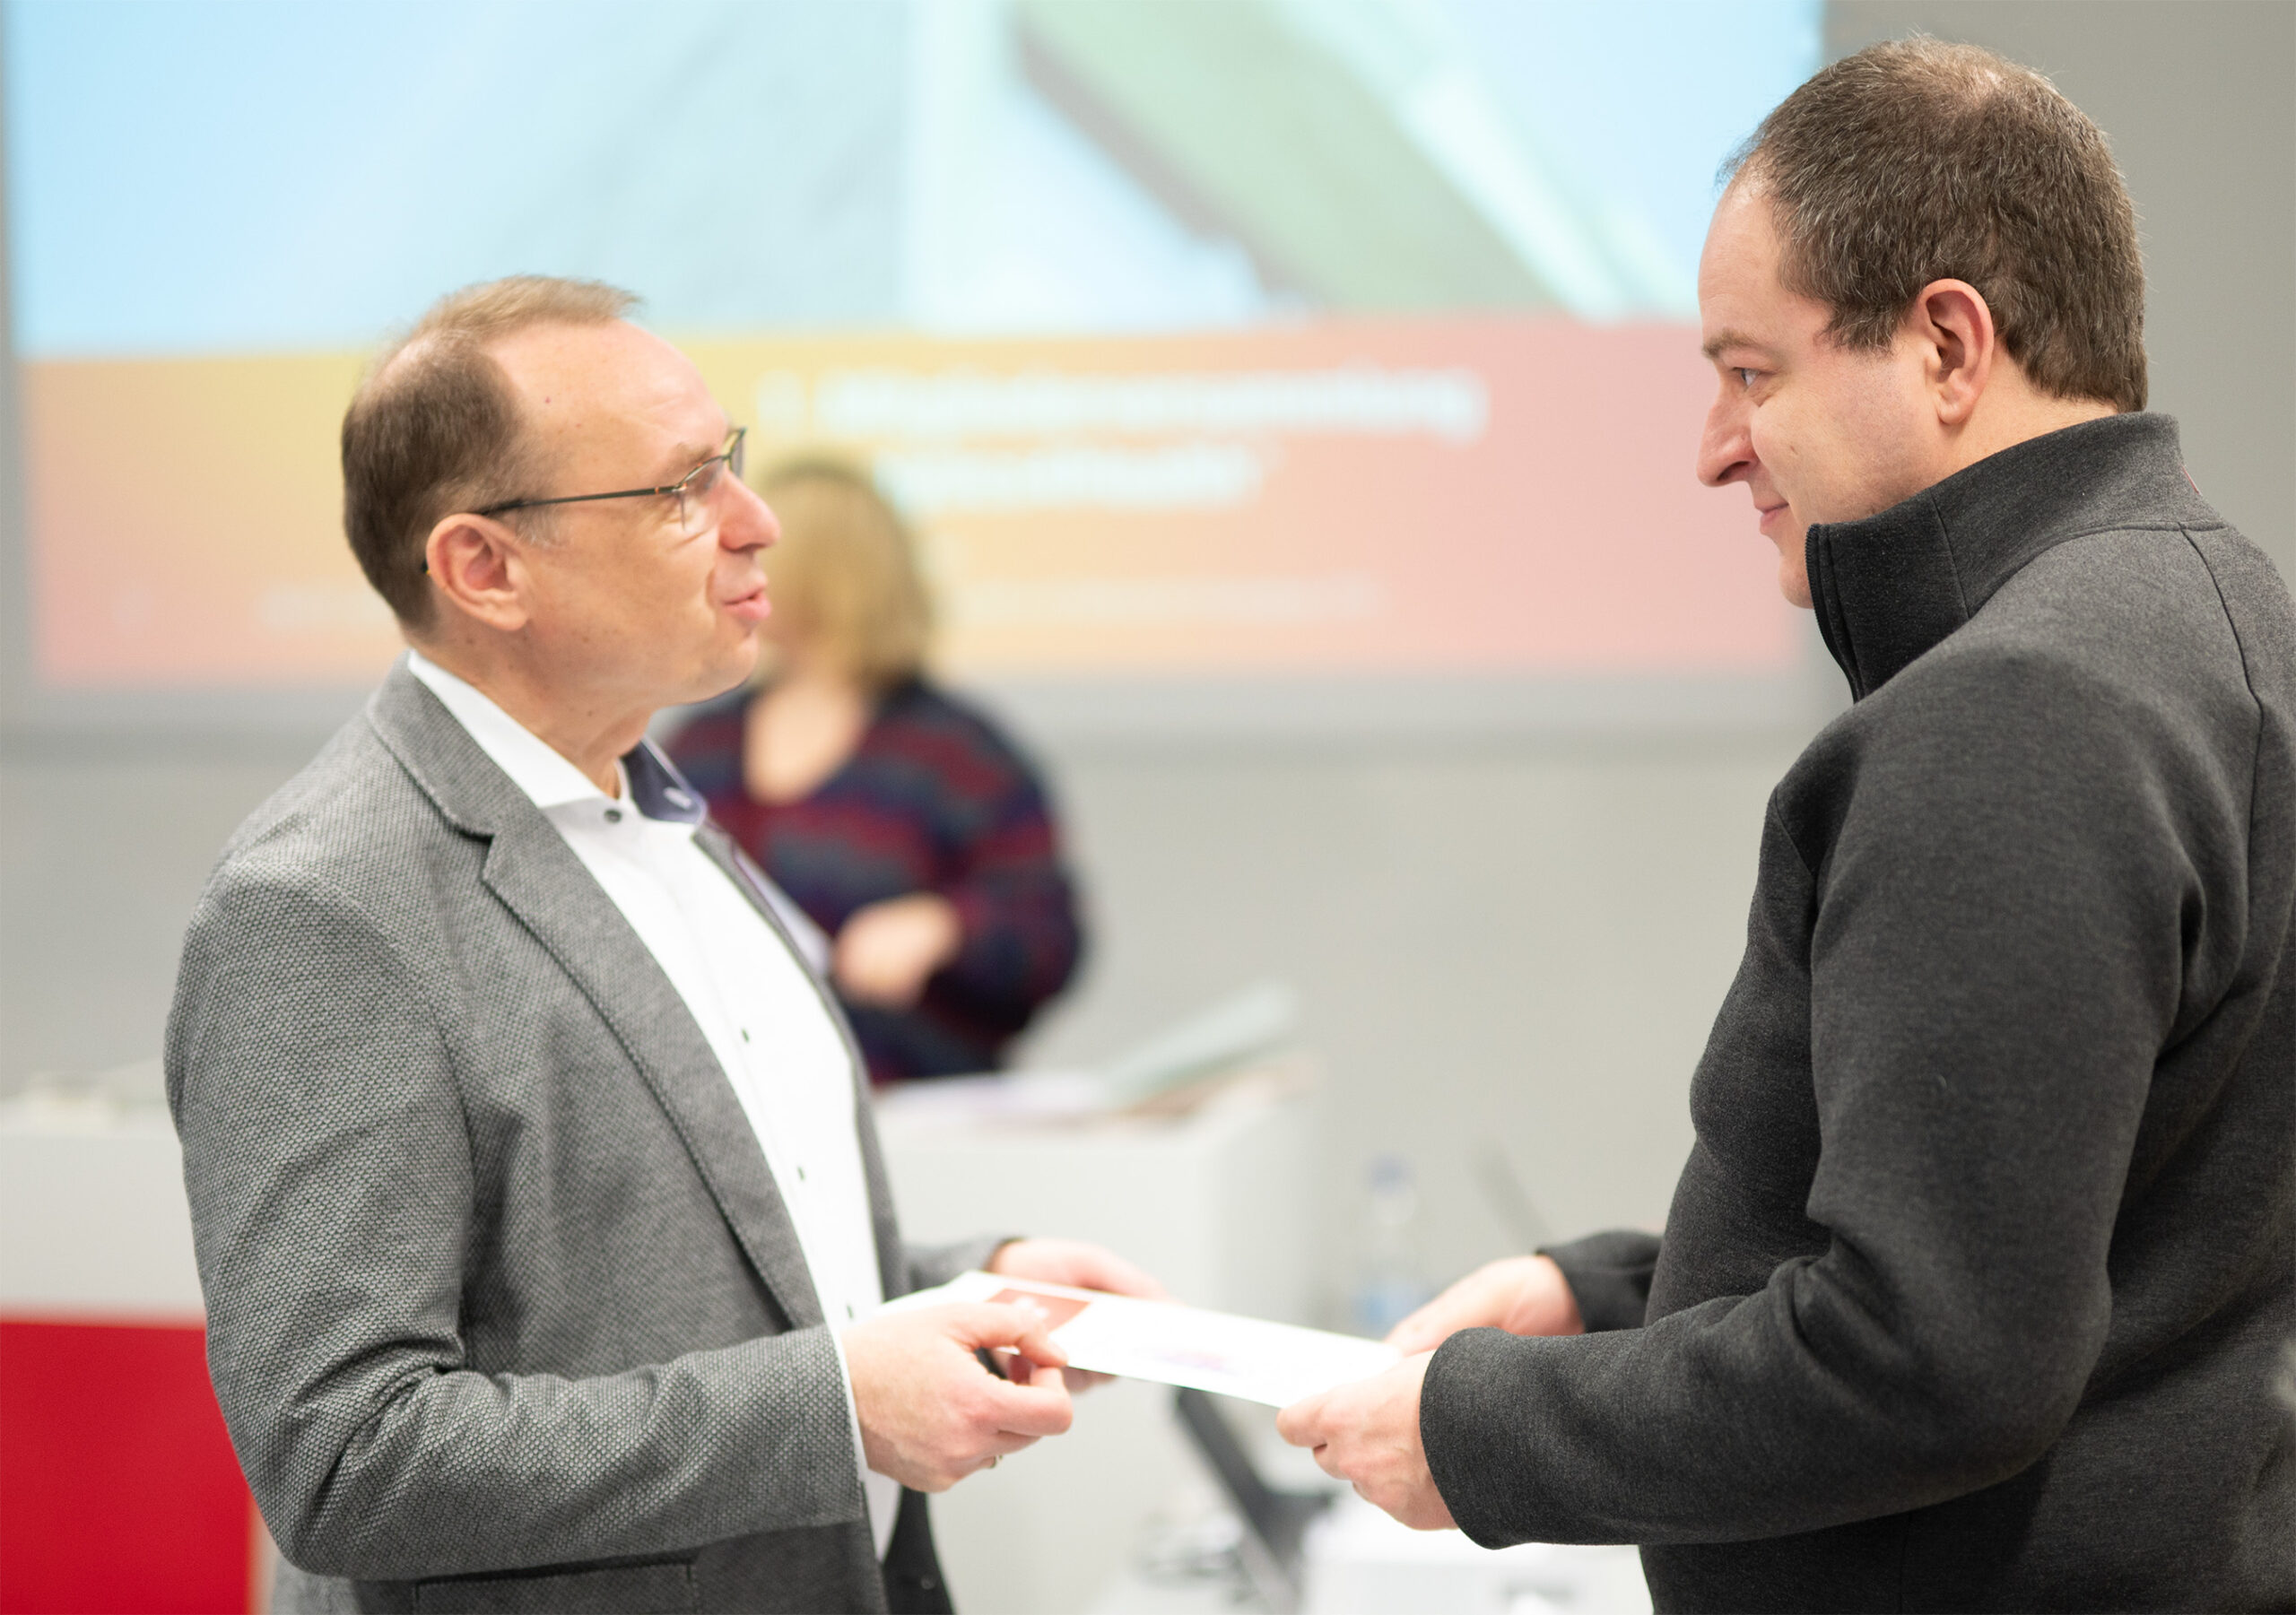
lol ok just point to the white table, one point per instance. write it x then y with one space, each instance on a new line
1214 1204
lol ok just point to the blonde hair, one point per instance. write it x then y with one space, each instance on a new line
845 573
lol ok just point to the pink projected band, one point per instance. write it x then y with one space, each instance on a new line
1499 495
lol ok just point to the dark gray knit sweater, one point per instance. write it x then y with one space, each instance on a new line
1980 1272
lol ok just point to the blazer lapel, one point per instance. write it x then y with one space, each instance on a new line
535 874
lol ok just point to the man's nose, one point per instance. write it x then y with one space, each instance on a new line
749 522
1725 451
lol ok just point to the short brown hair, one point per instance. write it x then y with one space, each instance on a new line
845 571
434 426
1918 160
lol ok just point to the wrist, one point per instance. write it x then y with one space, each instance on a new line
948 924
1559 1303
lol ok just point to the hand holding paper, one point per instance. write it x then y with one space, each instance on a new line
1217 1351
1523 1295
1367 1432
1081 1266
928 1416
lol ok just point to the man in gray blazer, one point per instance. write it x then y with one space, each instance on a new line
539 1212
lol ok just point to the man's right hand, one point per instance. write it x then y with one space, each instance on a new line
930 1414
1523 1295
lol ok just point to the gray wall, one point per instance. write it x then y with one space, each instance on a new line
1512 940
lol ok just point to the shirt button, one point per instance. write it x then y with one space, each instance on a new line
745 1034
801 1175
848 1309
614 815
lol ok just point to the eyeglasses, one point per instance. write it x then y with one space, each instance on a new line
692 491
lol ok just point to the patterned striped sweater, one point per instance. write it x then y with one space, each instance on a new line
933 798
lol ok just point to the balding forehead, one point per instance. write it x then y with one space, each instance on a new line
612 390
589 352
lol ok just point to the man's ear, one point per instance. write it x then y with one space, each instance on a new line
479 564
1954 327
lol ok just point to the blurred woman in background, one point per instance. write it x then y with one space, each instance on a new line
904 824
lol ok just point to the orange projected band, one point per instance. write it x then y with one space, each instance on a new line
1499 495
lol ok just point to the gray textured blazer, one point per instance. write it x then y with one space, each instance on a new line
504 1309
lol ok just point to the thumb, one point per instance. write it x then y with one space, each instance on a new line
1007 1327
1420 1327
1420 1332
1301 1423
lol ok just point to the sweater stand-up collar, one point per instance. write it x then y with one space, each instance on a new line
1888 587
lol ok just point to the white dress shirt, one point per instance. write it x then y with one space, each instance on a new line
756 1002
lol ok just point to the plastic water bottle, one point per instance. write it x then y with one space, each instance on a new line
1391 1280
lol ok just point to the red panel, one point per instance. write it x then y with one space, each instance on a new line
119 1492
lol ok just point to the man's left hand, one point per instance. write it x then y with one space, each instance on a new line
1079 1266
1367 1432
1075 1263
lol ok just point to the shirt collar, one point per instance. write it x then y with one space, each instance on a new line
650 782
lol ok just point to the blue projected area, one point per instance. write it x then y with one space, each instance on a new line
189 177
199 178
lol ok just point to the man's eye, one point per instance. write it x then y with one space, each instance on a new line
1745 377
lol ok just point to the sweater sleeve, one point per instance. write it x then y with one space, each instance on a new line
1609 1275
1995 965
1013 898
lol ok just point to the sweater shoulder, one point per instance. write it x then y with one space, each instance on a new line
2113 623
2108 665
924 723
2127 626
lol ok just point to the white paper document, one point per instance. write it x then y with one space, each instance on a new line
1217 1351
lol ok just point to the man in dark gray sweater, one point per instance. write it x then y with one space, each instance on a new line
1977 1281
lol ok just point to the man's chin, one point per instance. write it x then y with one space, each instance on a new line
1793 571
725 672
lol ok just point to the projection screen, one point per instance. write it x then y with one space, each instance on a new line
1305 346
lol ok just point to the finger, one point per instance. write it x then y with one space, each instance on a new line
1015 1366
1105 1269
1302 1423
1412 1323
1081 1380
1004 1443
1017 1369
1328 1461
1037 1344
1040 1410
1048 1376
1013 1328
1417 1333
1001 1449
1432 1324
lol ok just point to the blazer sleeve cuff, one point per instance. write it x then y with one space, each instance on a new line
932 1264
